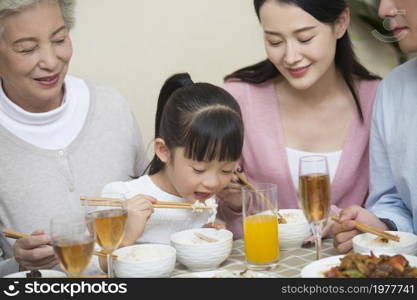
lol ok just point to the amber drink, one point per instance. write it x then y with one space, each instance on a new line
110 225
109 222
73 238
314 193
315 196
74 256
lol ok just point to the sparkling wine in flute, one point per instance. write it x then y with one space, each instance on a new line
74 256
109 225
315 196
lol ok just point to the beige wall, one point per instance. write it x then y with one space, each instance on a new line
135 45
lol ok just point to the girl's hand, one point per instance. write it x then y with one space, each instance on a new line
231 194
139 209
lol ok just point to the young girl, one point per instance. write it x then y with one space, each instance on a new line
310 96
198 140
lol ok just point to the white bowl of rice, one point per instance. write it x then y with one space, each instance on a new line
366 242
198 254
144 261
295 231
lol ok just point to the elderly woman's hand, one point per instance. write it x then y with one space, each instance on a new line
34 252
139 209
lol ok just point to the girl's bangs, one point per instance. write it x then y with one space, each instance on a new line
214 137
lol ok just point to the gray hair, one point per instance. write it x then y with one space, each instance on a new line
9 7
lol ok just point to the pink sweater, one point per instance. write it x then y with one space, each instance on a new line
264 157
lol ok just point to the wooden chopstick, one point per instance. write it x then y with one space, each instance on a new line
162 205
85 198
245 182
17 235
98 201
13 234
205 237
155 205
102 254
99 198
369 229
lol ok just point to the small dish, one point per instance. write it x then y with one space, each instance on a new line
45 274
224 274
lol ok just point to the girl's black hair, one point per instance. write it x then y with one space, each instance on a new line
203 118
326 11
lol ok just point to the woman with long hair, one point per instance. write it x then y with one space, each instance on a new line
310 96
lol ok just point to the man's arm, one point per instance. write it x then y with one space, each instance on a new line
384 199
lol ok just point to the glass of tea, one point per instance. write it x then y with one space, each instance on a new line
73 238
260 225
314 194
109 221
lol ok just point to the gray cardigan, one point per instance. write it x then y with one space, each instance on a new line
36 184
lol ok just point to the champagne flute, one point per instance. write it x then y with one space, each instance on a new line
314 193
73 238
109 222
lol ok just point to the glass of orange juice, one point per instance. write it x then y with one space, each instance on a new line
260 226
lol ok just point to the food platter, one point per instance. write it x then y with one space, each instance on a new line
317 268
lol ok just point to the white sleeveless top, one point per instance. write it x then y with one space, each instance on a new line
293 156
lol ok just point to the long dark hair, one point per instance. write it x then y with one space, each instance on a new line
203 118
326 11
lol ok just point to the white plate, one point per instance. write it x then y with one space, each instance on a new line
317 268
223 274
45 274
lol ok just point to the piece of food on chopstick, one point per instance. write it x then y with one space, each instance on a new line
355 265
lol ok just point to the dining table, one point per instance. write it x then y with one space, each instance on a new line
291 262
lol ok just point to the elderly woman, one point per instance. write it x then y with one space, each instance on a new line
60 136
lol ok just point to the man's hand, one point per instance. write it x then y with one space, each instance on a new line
344 231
